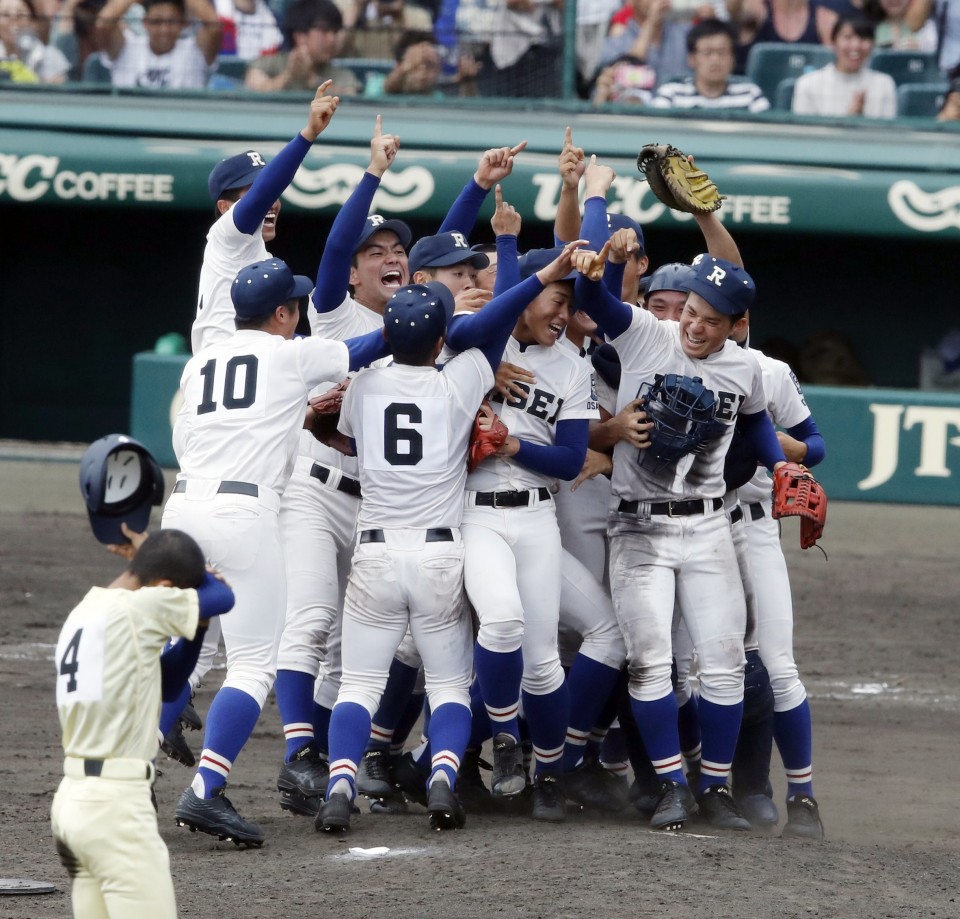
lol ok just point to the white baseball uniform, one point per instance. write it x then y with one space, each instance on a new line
108 700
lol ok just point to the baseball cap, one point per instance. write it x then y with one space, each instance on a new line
120 482
443 250
263 286
674 276
531 262
623 222
725 286
375 223
416 316
234 172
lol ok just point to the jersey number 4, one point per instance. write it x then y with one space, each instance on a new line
69 664
239 388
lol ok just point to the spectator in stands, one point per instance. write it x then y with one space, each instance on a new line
249 29
847 86
710 47
593 22
950 110
946 15
313 31
893 30
526 50
379 24
788 21
24 55
166 57
76 34
647 31
627 81
419 66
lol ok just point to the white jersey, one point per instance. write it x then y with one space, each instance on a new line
650 348
787 407
108 668
184 67
563 391
244 401
412 426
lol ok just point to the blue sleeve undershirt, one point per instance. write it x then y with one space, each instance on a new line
759 430
508 266
365 349
565 458
270 183
608 311
809 433
463 213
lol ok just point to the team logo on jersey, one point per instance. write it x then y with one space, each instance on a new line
928 212
330 186
539 402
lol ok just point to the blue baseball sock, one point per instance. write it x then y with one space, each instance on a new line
393 702
793 732
719 727
657 724
590 685
170 711
449 732
481 729
321 727
349 734
416 706
547 718
294 693
688 724
232 717
499 674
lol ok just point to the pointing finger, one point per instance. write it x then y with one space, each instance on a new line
521 146
378 129
498 197
322 88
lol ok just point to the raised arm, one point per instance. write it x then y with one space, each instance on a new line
109 27
572 164
209 28
495 165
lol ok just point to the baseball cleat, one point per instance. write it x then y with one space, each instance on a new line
645 797
334 814
445 810
803 818
189 718
374 776
759 810
302 782
391 806
218 817
471 789
675 807
594 788
175 745
719 808
509 777
411 778
549 803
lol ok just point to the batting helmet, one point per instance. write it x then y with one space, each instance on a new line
120 482
683 413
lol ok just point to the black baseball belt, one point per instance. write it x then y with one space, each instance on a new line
686 508
346 484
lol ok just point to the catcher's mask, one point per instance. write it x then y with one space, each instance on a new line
683 413
120 482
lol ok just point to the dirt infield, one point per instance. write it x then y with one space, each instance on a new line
877 631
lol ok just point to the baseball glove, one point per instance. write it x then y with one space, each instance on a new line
676 181
796 493
489 433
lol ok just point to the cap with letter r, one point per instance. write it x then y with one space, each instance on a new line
416 316
263 286
443 250
120 482
234 172
725 286
376 222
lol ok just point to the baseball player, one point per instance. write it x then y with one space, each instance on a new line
109 682
670 539
236 437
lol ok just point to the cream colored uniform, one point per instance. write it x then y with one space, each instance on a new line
108 700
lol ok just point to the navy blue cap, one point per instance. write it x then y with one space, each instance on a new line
443 250
263 286
623 222
234 172
120 482
531 262
674 276
725 286
375 223
416 316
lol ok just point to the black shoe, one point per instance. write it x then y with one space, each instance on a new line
218 817
645 799
174 744
803 818
549 803
445 810
302 782
674 808
471 789
509 777
374 775
760 810
189 718
334 814
411 778
593 788
719 808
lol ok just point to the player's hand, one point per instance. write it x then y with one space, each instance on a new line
506 220
572 162
595 464
857 101
128 550
597 179
631 424
508 376
623 243
486 416
562 265
510 447
591 264
322 110
471 300
383 149
794 450
496 164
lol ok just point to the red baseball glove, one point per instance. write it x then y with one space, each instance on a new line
489 433
796 493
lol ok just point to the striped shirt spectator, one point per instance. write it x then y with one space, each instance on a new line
685 95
